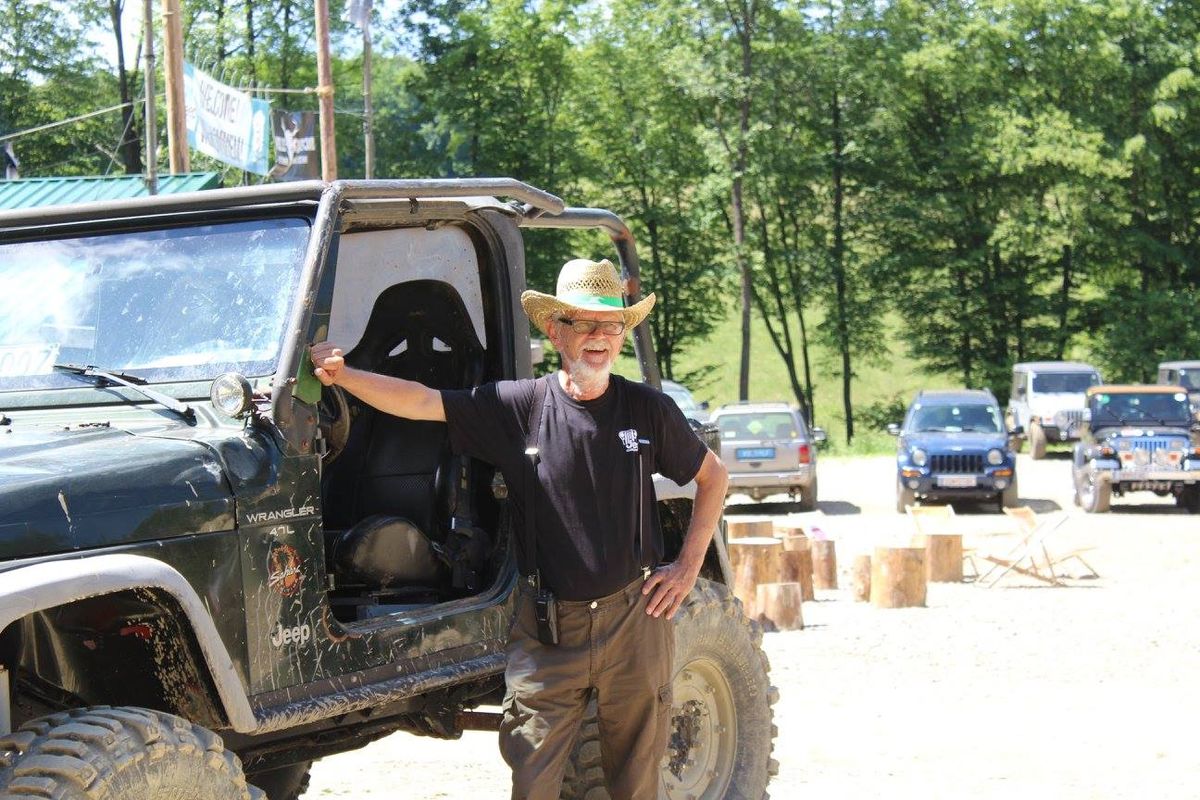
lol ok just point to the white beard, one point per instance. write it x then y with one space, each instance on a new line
586 377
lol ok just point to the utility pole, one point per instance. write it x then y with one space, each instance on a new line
368 134
177 144
151 121
325 93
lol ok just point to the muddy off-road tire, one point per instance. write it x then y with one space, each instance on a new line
1095 492
721 735
103 753
284 783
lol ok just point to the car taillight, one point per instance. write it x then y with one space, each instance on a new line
805 454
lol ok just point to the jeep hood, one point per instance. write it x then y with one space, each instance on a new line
1047 405
84 488
966 442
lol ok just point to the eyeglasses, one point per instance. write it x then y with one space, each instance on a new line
588 326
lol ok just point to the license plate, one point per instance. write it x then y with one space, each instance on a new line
956 481
755 453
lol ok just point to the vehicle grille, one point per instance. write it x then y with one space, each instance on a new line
1152 444
964 463
1068 419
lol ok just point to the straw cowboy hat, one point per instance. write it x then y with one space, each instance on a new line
584 285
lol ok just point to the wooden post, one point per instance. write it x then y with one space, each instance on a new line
824 561
779 604
898 577
325 93
177 144
944 557
150 120
754 561
749 528
795 566
860 578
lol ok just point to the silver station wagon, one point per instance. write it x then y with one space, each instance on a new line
769 449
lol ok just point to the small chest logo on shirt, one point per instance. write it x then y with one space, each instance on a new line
629 438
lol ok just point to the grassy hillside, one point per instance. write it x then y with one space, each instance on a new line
895 375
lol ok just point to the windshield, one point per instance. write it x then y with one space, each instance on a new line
1190 378
977 417
1064 382
764 425
166 305
1156 408
682 399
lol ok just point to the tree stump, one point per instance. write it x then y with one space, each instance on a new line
860 578
754 560
824 561
898 577
749 528
779 604
944 558
795 566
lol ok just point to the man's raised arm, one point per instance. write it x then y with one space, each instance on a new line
396 396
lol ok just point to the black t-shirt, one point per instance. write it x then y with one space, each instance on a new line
587 493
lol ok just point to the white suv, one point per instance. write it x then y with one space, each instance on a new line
1047 402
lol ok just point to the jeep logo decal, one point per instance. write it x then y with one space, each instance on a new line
283 569
297 635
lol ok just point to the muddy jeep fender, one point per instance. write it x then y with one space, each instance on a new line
43 586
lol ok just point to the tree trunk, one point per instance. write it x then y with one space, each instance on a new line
130 146
839 264
1064 301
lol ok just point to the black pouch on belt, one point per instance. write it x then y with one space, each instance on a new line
545 610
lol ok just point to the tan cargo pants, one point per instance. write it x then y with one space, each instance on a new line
610 645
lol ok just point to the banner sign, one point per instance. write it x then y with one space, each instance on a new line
229 125
295 145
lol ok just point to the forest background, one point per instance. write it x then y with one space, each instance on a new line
836 202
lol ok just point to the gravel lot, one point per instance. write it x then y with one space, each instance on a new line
1083 691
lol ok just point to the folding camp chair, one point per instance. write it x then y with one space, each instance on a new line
1030 556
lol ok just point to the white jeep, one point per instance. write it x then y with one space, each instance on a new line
1047 402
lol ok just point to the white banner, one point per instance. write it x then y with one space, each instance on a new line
229 125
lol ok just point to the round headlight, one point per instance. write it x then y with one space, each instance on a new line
919 457
994 457
230 395
1141 457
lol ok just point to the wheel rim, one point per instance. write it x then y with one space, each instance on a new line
702 739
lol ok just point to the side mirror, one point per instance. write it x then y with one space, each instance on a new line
893 429
819 435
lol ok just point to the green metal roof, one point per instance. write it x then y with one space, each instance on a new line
37 192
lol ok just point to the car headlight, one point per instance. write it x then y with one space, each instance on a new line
1141 457
919 457
995 457
231 395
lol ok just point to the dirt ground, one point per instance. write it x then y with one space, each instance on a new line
1080 691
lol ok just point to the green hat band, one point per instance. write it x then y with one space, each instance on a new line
579 299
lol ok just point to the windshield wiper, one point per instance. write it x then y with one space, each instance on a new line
134 382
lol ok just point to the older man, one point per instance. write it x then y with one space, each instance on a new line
578 450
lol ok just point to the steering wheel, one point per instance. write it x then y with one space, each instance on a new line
333 420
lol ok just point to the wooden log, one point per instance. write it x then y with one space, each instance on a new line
795 566
750 528
944 558
779 605
784 531
860 578
754 560
793 542
898 577
824 561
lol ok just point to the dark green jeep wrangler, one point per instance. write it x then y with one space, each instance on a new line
197 539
